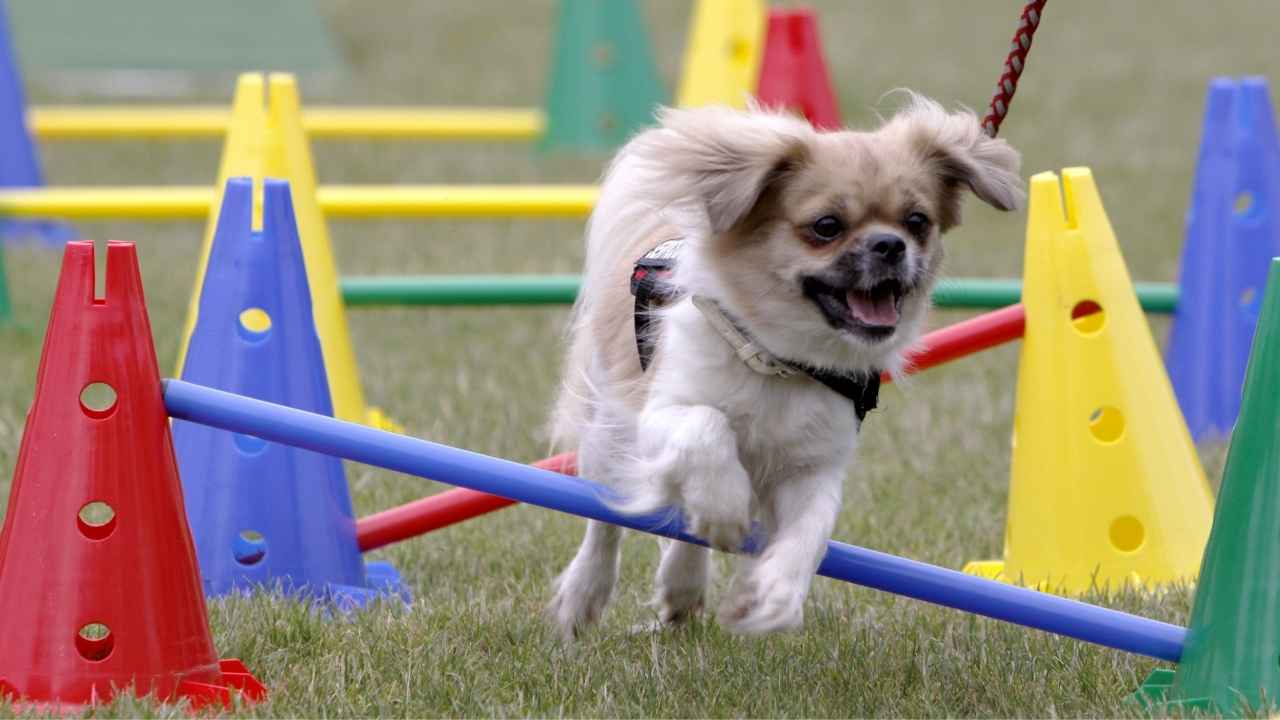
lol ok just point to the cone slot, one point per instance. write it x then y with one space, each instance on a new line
1088 317
255 325
96 520
98 400
1106 424
95 641
250 547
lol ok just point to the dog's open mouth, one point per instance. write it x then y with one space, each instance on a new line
872 313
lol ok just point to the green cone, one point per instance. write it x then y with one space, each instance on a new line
6 309
604 83
1232 658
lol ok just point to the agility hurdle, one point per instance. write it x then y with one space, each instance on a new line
375 123
454 290
534 486
337 201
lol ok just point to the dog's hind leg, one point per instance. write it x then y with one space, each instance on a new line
583 589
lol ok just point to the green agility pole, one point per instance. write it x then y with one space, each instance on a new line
461 290
967 293
981 293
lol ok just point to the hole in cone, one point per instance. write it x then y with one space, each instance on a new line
96 520
255 324
98 400
250 547
1243 203
1127 533
1088 317
1106 424
1248 296
603 55
95 642
249 444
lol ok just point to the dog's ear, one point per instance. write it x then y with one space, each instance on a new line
956 147
726 158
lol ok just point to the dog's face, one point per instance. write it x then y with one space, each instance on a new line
828 244
856 226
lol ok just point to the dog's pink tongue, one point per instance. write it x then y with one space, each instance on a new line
873 310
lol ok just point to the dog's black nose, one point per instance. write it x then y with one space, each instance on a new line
890 248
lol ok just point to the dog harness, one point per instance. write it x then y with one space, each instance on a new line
652 287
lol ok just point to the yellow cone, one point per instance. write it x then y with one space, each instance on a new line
722 57
1106 485
265 139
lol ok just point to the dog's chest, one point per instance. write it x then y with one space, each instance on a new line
792 427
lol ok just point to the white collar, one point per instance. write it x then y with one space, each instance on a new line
861 388
744 346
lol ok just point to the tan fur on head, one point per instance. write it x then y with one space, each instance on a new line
961 152
722 157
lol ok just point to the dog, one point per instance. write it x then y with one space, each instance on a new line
803 264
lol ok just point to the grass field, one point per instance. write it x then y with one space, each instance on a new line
1115 86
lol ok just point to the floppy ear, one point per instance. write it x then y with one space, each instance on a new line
723 157
964 155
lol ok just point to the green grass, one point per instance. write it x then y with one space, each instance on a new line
1115 86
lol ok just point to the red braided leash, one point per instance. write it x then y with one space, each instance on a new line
1013 65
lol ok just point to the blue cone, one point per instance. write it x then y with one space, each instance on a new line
19 166
264 514
1231 236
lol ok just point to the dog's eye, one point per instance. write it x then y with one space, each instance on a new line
827 228
916 223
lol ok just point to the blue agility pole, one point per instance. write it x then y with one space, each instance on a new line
526 484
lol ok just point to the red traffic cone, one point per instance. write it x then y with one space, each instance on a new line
99 588
793 73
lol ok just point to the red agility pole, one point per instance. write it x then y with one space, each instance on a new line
441 510
966 338
453 506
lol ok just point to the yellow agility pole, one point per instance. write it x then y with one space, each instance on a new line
194 121
336 201
457 201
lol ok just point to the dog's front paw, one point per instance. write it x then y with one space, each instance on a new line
718 506
722 529
758 607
